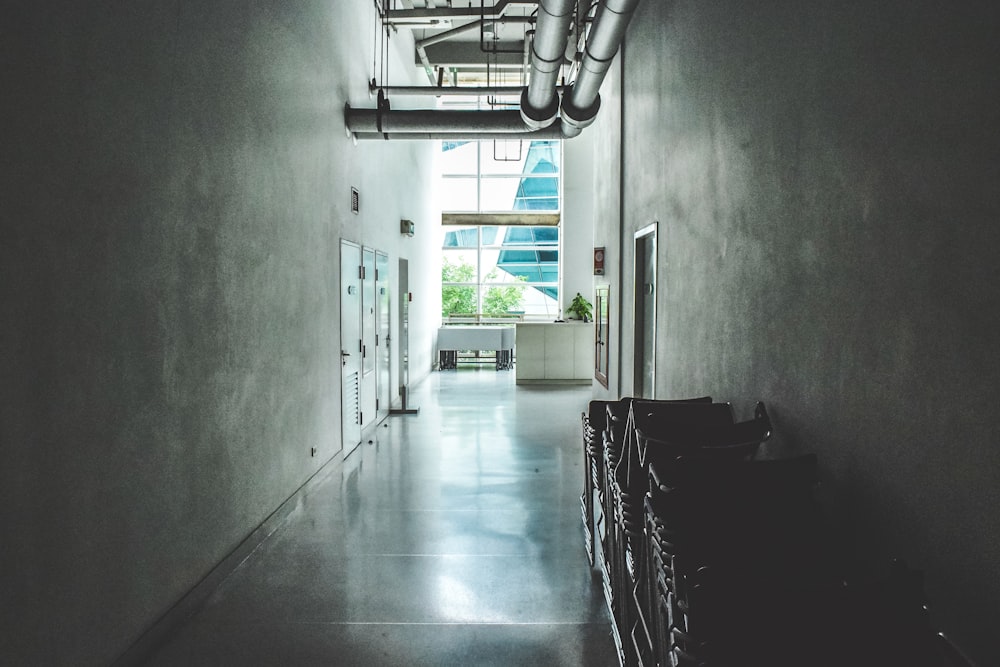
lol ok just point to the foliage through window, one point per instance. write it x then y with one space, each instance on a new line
500 270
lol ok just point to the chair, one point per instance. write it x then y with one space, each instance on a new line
735 547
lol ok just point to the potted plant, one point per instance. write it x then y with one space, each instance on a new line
580 308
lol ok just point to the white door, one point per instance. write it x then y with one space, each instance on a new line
350 344
369 385
382 338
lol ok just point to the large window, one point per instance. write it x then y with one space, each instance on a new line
500 251
500 176
500 270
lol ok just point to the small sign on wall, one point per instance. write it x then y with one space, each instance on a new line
598 261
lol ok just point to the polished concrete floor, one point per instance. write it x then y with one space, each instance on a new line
453 538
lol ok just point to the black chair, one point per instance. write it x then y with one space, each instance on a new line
736 552
662 430
594 422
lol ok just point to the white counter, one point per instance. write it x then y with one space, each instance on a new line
556 352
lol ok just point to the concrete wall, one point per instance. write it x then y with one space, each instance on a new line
175 186
577 220
825 179
606 204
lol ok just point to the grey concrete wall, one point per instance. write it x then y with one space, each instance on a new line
825 178
175 186
606 133
577 219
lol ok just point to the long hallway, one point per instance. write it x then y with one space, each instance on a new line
453 538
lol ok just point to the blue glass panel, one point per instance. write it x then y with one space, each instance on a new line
460 238
546 235
449 145
542 158
537 194
518 235
509 256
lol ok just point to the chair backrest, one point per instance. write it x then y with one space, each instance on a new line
712 434
678 426
674 416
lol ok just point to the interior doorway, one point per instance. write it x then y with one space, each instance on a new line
369 323
383 302
403 344
644 343
350 344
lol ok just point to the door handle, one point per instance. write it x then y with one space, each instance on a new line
343 361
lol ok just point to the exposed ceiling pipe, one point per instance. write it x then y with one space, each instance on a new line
581 103
539 102
451 91
445 121
446 13
551 132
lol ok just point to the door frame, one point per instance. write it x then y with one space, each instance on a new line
644 333
350 345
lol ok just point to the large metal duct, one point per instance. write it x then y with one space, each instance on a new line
539 102
581 103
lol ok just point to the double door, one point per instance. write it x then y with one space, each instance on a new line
365 339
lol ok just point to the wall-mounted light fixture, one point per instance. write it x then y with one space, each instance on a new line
406 227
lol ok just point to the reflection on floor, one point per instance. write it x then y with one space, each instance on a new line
452 539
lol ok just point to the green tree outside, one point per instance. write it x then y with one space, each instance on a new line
501 300
497 300
457 298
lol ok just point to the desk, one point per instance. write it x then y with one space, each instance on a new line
451 339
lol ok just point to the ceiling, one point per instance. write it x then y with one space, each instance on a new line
472 43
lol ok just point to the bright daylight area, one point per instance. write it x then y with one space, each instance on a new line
500 270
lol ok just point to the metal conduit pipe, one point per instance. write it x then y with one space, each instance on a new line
433 120
581 103
447 91
552 132
539 102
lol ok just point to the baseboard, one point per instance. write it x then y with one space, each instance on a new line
194 600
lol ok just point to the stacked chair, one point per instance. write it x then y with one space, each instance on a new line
736 561
591 499
712 556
